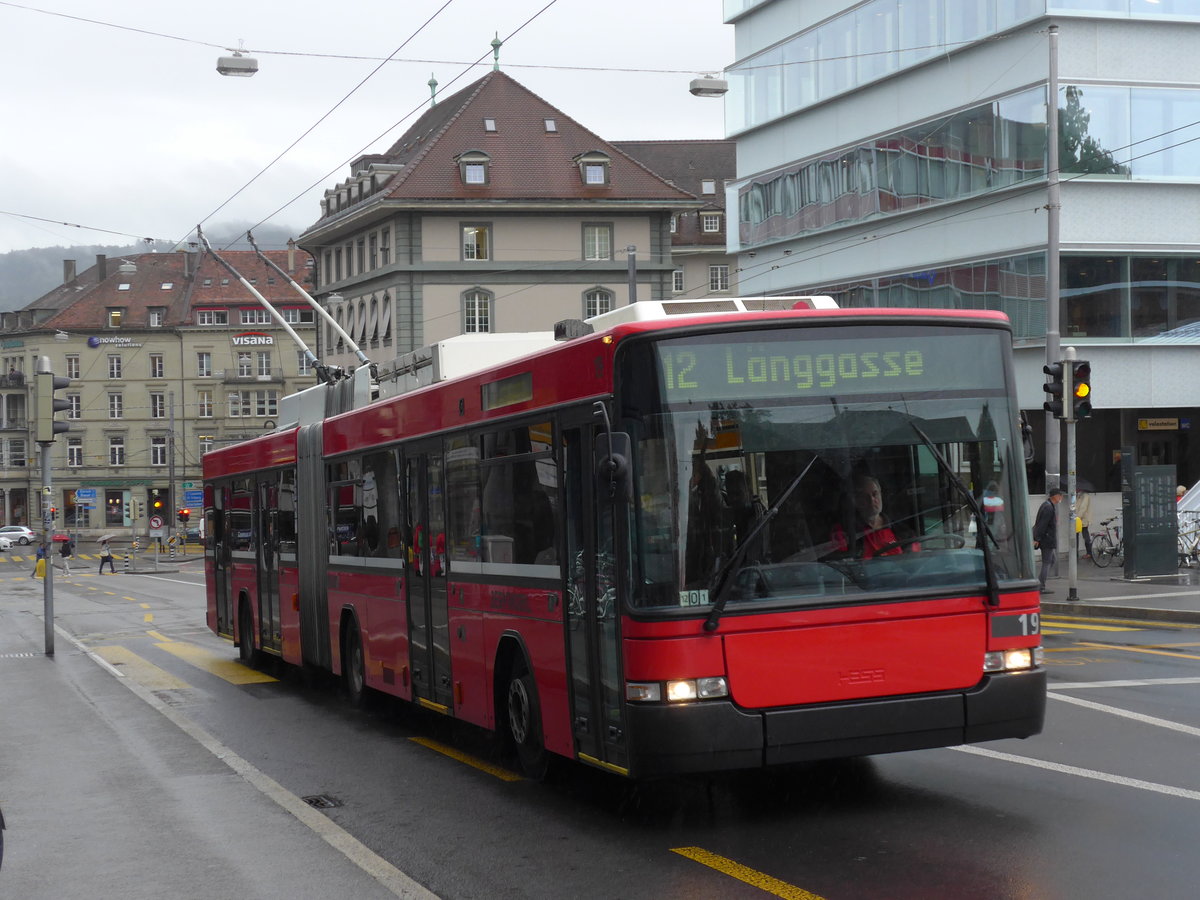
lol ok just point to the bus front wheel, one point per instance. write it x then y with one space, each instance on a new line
525 722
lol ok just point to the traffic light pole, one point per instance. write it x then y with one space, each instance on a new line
1069 412
47 558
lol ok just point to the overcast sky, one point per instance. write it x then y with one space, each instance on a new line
135 134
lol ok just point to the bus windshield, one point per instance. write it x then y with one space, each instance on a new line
724 424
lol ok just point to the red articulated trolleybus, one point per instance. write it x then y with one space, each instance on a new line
682 537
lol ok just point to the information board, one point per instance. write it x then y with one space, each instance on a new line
1151 520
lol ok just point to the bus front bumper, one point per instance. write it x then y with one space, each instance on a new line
719 735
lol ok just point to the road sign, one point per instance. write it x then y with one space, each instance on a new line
156 522
85 493
193 498
188 485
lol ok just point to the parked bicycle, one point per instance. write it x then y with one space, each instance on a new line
1189 548
1108 546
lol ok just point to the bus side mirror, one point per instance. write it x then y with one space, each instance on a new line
612 465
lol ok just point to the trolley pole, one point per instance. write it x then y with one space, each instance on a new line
1069 413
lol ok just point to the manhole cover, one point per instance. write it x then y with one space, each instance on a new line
322 801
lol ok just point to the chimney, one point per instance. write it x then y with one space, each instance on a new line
291 255
189 263
68 271
101 267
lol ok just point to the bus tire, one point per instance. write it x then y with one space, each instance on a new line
354 676
523 719
246 651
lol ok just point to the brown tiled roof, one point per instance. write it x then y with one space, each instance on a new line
686 163
161 282
527 162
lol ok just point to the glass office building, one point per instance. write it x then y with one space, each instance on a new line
894 153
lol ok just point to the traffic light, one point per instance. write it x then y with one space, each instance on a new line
1081 389
134 512
184 515
48 405
53 513
1054 387
156 504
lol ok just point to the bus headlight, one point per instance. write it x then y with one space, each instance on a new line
680 690
1013 660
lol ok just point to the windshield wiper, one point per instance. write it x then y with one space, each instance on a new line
722 581
993 586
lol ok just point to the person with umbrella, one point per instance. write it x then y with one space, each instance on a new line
106 557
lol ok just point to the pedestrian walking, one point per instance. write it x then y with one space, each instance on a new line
1045 534
66 551
1083 512
106 557
39 564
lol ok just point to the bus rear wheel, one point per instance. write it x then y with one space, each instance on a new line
246 652
353 668
524 720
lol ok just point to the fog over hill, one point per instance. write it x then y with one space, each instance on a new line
26 275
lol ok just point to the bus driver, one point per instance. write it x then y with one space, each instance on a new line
873 534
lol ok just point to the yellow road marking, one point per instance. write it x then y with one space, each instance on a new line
148 617
1063 620
140 670
157 636
144 605
1138 650
474 762
1089 627
229 670
744 873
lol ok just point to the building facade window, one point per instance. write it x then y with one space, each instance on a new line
203 364
212 317
718 278
158 451
158 405
980 149
473 167
596 302
116 406
114 316
116 451
476 241
75 410
677 285
255 316
73 366
157 366
708 186
157 317
373 250
245 364
385 246
266 403
74 453
303 364
114 366
206 444
477 312
263 358
204 404
296 316
597 240
710 223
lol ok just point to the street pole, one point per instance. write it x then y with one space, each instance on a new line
47 533
1053 299
172 510
1069 413
632 273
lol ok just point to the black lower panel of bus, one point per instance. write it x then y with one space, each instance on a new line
709 737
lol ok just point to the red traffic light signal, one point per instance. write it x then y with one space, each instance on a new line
184 515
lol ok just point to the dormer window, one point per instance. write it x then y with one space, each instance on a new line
708 186
593 167
114 318
551 126
489 124
473 167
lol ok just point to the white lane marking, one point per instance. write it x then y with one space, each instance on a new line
1155 596
1132 682
96 657
1124 713
1183 793
337 837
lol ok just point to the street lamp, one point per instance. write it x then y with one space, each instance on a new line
708 86
237 65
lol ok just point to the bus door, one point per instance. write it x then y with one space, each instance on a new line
218 549
593 614
269 631
428 613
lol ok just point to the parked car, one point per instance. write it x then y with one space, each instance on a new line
18 534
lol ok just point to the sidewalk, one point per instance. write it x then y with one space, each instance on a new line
1107 593
109 792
